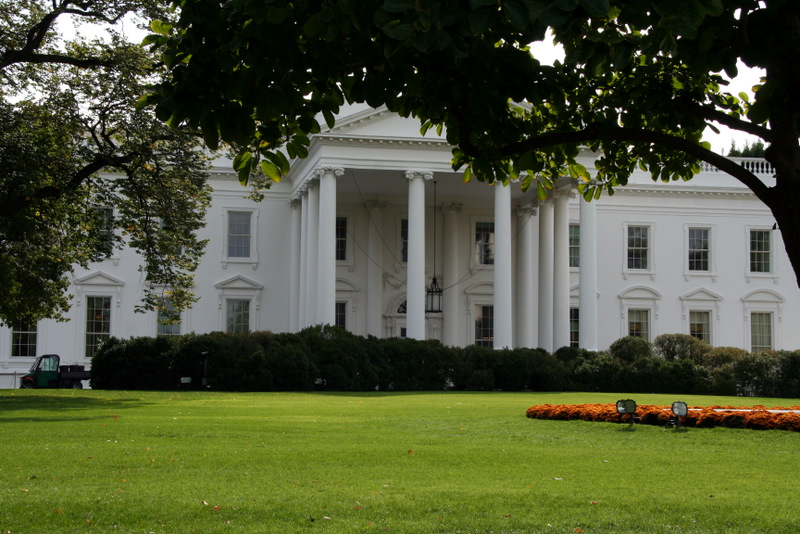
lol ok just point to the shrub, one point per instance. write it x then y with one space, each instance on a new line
719 356
681 347
628 349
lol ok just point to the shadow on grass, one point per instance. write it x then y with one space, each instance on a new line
60 403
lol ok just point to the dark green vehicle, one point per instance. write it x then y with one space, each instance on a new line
47 372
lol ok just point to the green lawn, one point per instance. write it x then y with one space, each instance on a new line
141 462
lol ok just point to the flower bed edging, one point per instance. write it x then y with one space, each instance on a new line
755 417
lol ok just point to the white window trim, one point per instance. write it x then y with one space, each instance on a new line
712 252
349 260
253 258
750 275
474 265
767 301
481 294
702 300
651 260
94 284
578 224
650 320
113 257
639 298
239 288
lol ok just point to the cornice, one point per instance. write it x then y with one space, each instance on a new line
668 191
404 142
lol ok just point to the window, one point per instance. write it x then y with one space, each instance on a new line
574 245
237 316
700 325
638 247
760 251
341 238
484 326
574 327
699 249
639 323
23 340
98 323
484 243
760 331
105 229
340 315
168 323
239 234
404 240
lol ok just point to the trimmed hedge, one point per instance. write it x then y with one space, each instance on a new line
330 358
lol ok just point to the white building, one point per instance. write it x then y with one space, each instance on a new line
357 231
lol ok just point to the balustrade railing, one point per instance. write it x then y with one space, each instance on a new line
754 165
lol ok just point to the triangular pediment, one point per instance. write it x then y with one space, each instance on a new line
700 294
238 282
363 121
99 278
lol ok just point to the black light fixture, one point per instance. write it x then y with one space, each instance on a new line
679 409
627 406
433 300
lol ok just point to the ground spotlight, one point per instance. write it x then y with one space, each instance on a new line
679 409
626 406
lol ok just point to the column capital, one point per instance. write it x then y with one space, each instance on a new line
295 200
416 173
328 169
531 209
562 193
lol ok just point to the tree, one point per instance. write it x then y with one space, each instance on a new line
640 82
72 145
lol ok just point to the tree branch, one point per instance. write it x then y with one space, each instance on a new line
15 205
597 132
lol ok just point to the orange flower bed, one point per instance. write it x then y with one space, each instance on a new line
754 417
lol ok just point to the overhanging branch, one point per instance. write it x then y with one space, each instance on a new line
597 132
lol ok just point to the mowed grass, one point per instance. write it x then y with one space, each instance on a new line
141 462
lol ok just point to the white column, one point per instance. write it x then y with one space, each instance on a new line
303 302
374 272
326 260
294 265
587 300
546 275
415 284
503 316
561 269
312 252
450 310
527 322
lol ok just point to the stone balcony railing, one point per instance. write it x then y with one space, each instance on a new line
758 166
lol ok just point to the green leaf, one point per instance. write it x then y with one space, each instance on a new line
467 178
271 170
242 164
398 6
596 8
481 20
477 4
161 27
398 31
517 14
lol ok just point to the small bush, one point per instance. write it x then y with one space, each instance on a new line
681 347
719 356
631 348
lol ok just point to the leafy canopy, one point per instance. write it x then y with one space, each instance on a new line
71 143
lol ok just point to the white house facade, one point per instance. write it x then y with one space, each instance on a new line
359 231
